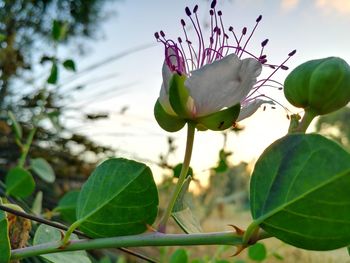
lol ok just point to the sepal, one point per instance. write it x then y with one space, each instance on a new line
166 121
220 120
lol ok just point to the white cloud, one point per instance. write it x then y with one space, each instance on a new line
288 5
339 6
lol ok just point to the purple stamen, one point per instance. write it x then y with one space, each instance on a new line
200 38
251 34
280 66
239 48
223 28
292 53
188 11
264 43
216 48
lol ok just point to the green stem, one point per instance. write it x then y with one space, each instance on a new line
26 147
152 239
305 122
69 232
185 166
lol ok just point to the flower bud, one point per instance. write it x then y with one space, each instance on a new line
320 86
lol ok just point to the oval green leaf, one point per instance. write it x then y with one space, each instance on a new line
67 206
43 169
299 192
4 238
69 64
52 79
47 234
179 256
257 252
119 198
19 182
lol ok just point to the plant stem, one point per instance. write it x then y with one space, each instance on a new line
152 239
304 123
306 120
191 127
63 227
69 232
26 147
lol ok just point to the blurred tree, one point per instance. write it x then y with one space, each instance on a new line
336 125
29 32
25 26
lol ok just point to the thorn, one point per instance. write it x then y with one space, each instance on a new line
240 248
238 230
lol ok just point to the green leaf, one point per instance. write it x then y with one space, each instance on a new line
67 206
220 120
69 65
198 260
19 182
56 29
257 252
179 95
59 30
299 192
119 198
2 37
53 74
37 203
182 213
43 169
277 256
177 171
15 126
179 256
5 248
166 121
105 259
54 118
46 234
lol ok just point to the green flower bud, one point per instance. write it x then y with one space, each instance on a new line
319 86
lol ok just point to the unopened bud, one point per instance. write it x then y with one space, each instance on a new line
321 86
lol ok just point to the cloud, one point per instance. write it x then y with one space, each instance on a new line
288 5
339 6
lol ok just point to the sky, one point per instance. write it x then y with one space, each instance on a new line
316 28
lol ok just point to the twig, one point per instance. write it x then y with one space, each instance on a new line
63 227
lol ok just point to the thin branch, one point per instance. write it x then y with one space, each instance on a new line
63 227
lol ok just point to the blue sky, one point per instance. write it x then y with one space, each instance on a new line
316 28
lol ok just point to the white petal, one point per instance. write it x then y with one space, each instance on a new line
167 74
250 108
222 83
164 90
